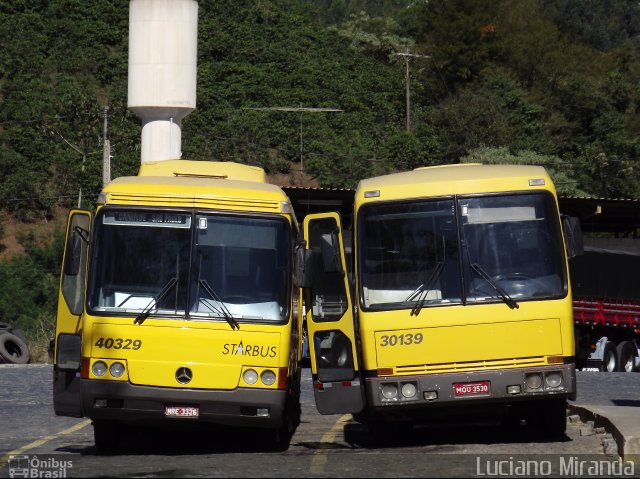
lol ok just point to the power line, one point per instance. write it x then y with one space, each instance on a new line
26 198
35 120
301 109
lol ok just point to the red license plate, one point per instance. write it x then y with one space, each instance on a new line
181 411
480 388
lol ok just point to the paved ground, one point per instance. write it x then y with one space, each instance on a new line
612 401
322 446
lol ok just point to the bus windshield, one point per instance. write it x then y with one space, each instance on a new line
516 241
460 250
409 254
201 266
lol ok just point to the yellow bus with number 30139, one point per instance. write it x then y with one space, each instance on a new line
456 299
176 303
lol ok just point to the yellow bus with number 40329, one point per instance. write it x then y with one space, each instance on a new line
456 299
176 303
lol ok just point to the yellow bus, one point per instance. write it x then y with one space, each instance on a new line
176 303
457 300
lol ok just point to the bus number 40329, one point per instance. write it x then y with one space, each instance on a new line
118 343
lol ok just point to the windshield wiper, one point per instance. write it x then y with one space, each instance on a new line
222 309
140 318
501 292
424 289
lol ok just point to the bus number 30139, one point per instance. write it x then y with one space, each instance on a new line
400 339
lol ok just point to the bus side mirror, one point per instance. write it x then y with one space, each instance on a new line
573 236
331 262
303 266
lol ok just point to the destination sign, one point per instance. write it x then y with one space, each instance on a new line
145 218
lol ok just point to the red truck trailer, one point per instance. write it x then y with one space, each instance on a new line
606 304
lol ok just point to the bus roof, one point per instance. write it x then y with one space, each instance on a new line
447 180
191 188
210 169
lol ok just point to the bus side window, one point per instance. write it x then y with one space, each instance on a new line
329 296
75 262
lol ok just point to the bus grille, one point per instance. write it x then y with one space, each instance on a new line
472 365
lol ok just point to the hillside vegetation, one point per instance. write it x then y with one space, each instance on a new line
551 82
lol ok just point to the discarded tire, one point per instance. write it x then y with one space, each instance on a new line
5 326
13 350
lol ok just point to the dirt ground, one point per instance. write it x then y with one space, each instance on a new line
42 230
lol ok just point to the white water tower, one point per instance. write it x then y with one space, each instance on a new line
163 40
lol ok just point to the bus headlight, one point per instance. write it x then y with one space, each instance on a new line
99 369
533 381
409 390
250 376
268 377
116 370
553 379
389 391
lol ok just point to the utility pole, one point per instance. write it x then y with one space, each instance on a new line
84 158
301 110
106 151
407 56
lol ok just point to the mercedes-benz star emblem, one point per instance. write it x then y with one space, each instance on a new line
184 375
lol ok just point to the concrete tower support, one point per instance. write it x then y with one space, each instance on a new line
163 39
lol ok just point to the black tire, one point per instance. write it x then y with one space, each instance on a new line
610 358
555 417
5 327
13 350
549 417
106 435
389 432
626 355
19 333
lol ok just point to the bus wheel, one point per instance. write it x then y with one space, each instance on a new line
626 353
554 417
389 432
610 358
106 435
277 439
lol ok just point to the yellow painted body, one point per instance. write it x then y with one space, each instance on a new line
216 353
460 338
212 351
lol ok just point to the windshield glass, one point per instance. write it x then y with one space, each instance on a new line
240 268
409 255
499 248
516 240
136 255
144 263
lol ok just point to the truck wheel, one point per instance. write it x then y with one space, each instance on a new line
13 350
610 358
626 353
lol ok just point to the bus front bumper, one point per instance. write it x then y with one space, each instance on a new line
128 403
505 386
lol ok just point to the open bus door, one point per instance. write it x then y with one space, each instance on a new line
321 271
68 339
